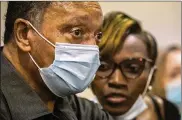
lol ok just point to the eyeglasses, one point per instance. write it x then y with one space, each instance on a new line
130 68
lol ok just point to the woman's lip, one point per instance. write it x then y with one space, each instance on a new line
116 99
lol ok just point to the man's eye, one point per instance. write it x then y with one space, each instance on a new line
104 66
77 32
98 36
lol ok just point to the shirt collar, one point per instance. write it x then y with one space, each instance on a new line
23 102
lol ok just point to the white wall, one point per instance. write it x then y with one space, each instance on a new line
3 10
162 19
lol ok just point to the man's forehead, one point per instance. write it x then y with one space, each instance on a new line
73 5
69 12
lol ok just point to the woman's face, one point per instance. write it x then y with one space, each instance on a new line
173 67
119 91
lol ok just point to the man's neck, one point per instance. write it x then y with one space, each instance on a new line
24 65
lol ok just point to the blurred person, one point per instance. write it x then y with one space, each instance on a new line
45 60
128 56
168 76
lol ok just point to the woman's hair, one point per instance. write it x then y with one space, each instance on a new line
150 43
116 27
158 89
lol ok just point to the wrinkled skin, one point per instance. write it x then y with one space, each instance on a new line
64 22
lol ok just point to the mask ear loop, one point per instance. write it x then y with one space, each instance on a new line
149 80
41 34
34 61
42 38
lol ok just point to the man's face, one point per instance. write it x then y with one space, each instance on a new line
66 22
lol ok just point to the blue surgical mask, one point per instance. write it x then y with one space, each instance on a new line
73 68
173 92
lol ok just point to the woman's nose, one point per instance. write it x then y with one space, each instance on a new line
117 80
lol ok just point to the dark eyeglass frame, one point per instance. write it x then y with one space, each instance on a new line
142 59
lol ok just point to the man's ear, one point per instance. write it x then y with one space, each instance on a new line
21 28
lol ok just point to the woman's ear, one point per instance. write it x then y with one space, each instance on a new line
153 76
21 29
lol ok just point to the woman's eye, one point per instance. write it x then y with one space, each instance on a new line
77 32
98 36
133 68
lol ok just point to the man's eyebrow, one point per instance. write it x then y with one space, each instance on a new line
99 29
75 21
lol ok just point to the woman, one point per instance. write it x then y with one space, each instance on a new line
168 75
128 58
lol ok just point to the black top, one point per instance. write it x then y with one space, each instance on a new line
157 108
20 102
171 112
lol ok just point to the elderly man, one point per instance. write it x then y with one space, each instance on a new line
49 55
